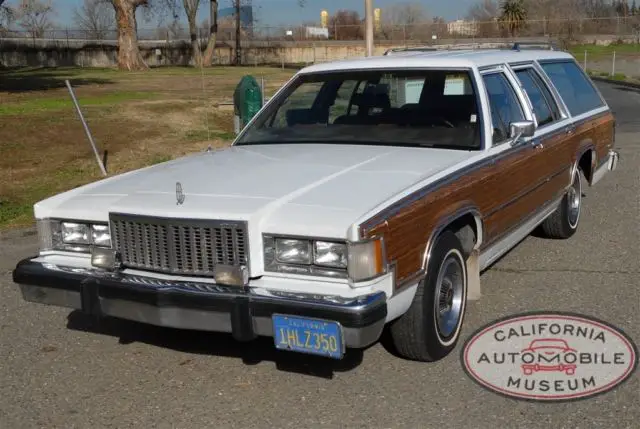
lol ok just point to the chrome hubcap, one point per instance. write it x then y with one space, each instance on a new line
574 198
449 296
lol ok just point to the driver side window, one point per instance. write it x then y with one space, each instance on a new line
505 106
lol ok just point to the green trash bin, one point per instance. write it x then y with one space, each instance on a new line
247 101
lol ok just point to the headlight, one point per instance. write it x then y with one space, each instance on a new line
100 235
327 254
76 233
358 261
293 251
72 236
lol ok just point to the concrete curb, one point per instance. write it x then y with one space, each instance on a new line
616 82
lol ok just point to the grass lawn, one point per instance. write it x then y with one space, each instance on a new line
138 118
605 51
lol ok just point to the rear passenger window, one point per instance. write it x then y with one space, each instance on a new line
505 106
574 86
544 106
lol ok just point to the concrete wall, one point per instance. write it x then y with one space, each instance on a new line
86 53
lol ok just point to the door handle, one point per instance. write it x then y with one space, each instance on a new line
571 130
537 144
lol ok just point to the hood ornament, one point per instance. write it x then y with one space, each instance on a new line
179 194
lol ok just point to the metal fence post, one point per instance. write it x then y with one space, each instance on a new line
613 65
585 60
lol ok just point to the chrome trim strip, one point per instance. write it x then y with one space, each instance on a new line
469 209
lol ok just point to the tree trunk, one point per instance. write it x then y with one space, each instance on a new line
213 34
195 42
129 57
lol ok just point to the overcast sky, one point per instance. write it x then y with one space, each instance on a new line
283 12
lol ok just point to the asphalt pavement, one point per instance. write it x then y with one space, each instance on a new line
60 370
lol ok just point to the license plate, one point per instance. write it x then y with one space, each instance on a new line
299 334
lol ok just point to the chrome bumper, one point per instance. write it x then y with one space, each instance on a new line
245 313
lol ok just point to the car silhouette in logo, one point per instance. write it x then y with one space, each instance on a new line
554 349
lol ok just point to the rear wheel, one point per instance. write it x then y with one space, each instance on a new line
430 329
563 223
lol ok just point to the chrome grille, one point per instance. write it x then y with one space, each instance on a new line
177 246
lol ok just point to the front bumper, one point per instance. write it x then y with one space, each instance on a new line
245 313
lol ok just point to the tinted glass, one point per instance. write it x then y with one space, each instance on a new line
432 108
544 107
505 106
575 88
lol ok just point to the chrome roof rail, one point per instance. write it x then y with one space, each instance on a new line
552 46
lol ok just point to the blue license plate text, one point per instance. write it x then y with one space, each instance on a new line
298 334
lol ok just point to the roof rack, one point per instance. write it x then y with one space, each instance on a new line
549 45
414 49
433 48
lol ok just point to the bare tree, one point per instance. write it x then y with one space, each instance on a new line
129 57
485 14
191 9
346 25
35 16
95 17
213 33
7 14
484 11
410 18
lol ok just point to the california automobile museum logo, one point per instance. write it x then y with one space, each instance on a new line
549 357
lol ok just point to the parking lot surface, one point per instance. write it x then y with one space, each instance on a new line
58 369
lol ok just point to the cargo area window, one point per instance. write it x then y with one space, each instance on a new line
573 85
504 103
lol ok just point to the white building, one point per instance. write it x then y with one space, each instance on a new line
462 27
316 32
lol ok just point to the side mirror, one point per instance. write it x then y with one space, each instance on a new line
517 130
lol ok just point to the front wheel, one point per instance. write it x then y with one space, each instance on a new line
563 223
430 329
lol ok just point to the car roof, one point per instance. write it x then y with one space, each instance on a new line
455 59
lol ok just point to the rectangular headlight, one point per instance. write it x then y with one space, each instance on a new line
76 233
366 260
100 235
291 251
72 236
328 254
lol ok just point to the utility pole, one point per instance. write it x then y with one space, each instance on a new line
238 47
368 7
213 17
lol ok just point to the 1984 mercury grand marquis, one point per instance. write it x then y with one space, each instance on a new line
366 192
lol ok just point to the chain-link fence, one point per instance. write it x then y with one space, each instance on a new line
626 28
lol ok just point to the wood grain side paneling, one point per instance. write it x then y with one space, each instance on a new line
505 192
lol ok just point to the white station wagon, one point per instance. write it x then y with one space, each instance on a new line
364 193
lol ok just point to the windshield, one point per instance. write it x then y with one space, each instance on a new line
431 108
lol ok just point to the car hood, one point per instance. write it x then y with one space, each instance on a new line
317 189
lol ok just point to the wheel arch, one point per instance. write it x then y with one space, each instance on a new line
466 216
586 159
